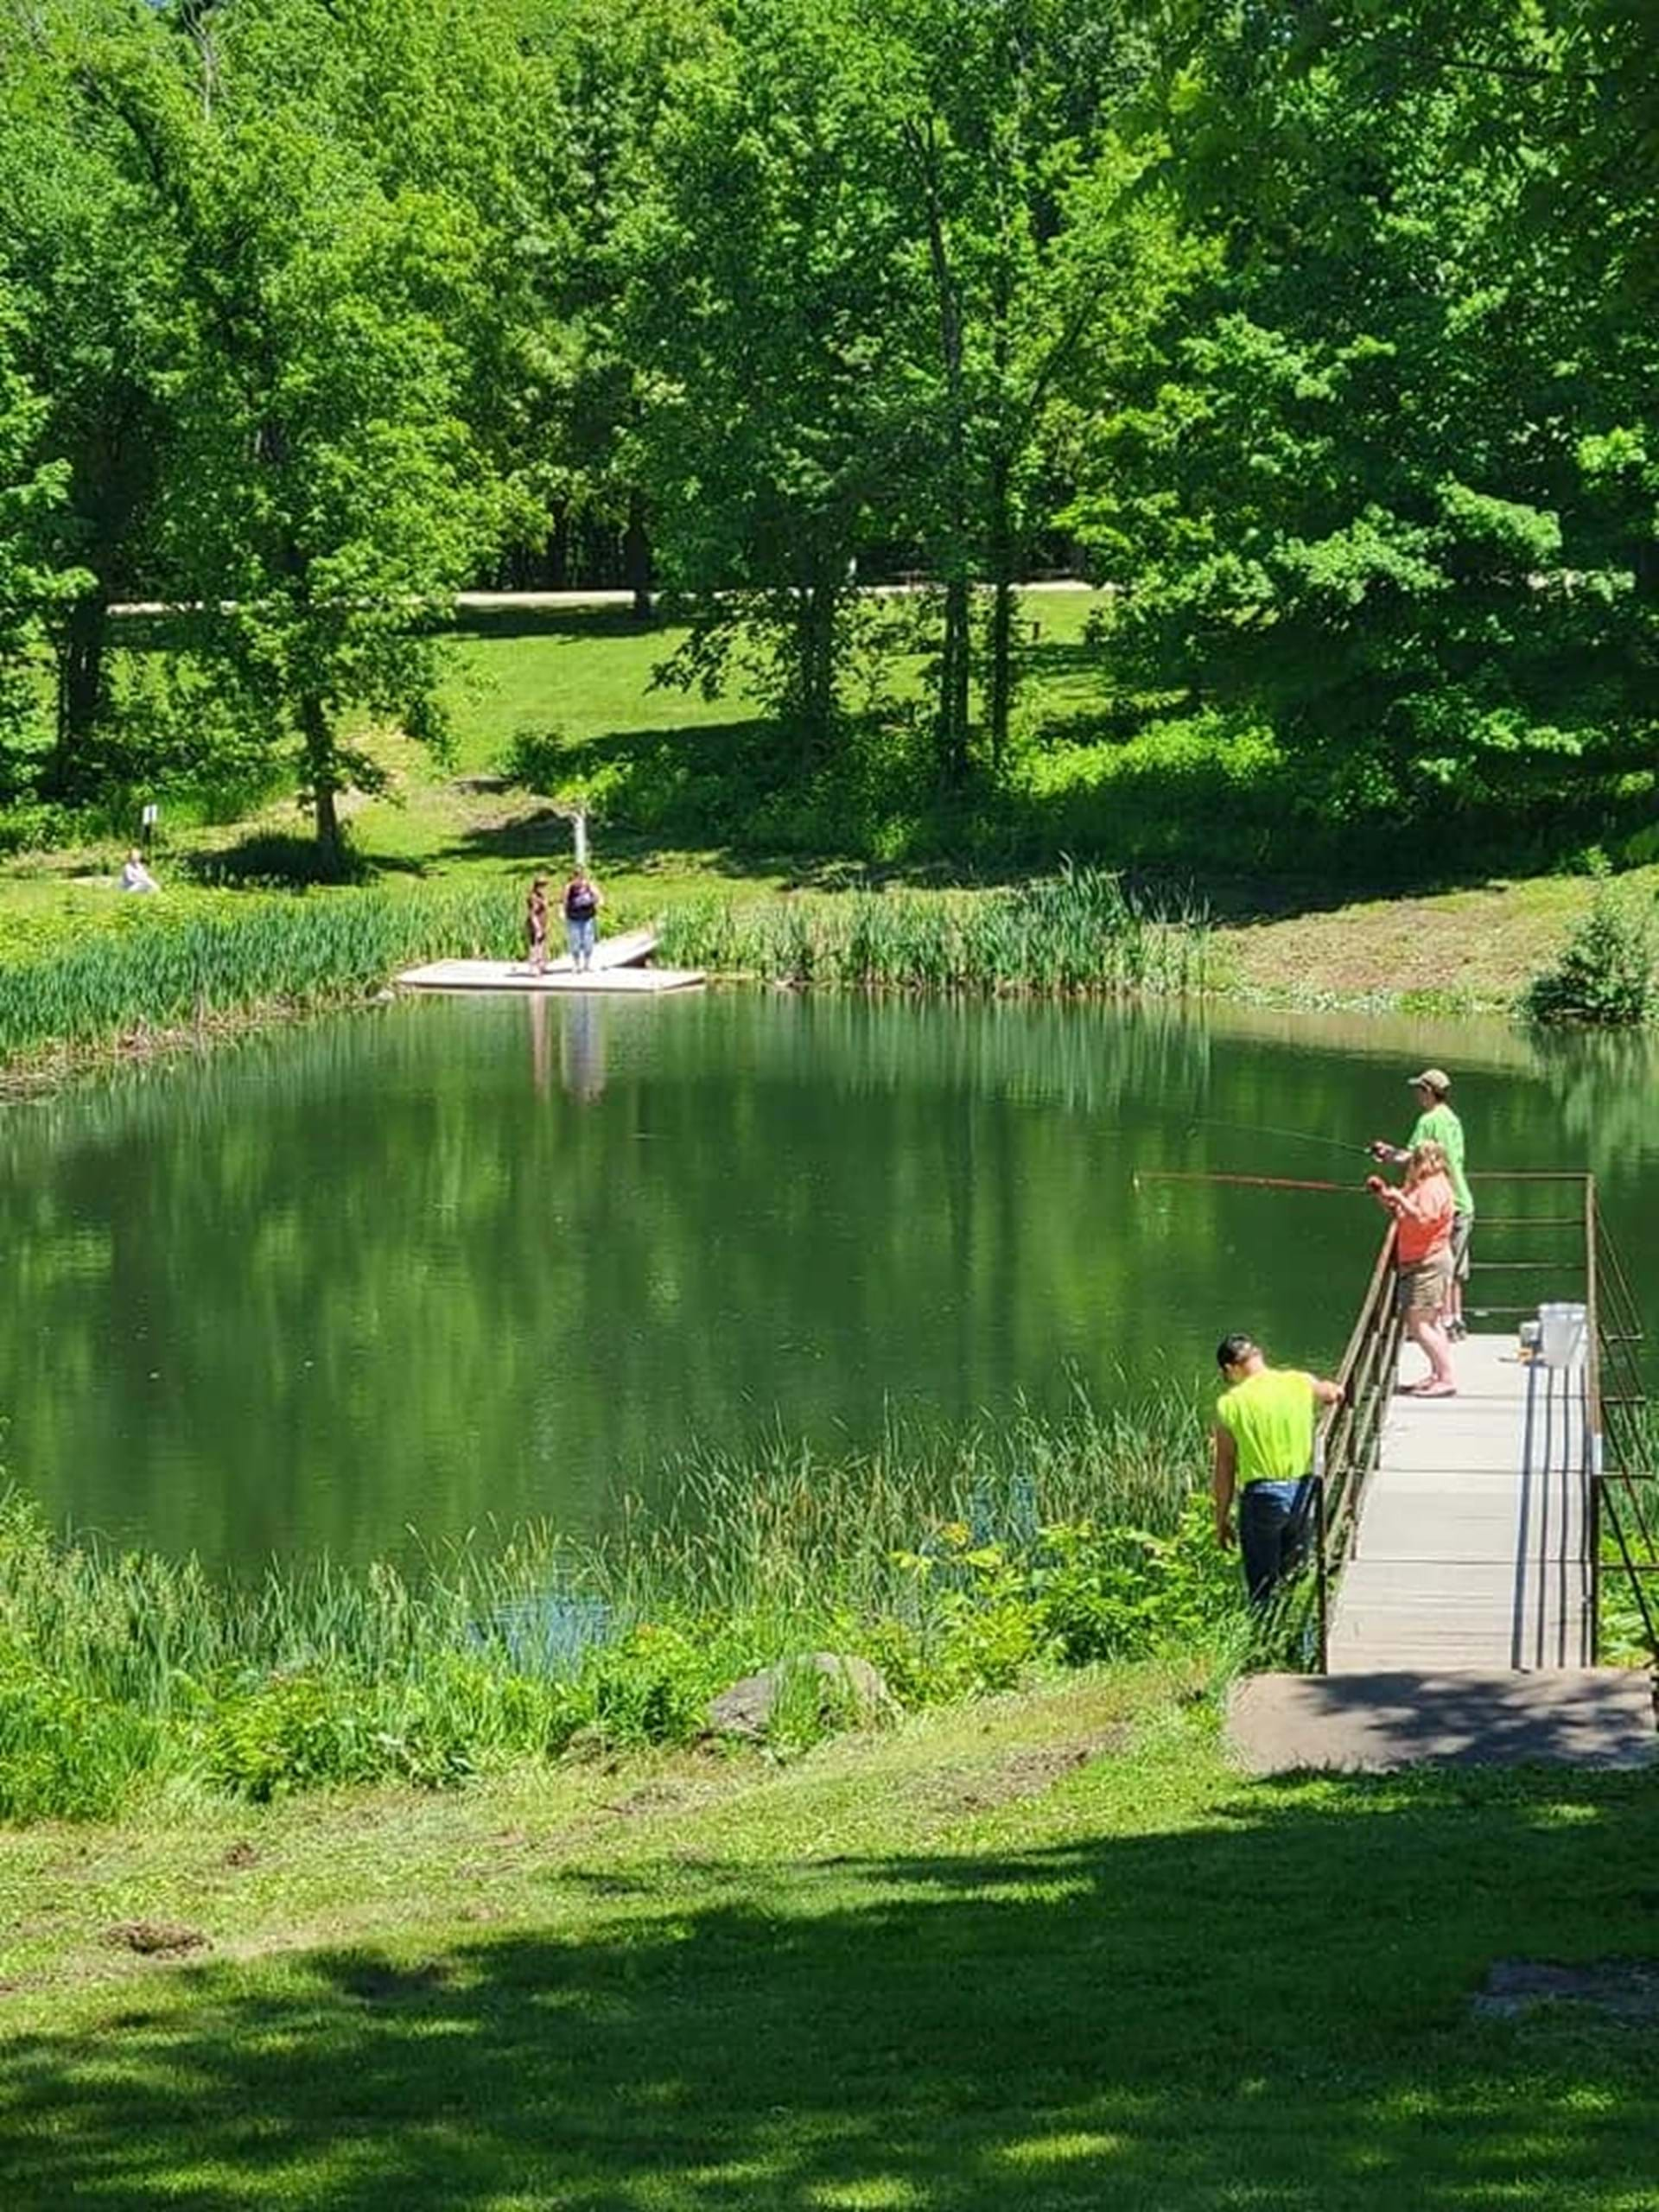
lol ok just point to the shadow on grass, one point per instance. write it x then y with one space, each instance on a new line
571 622
741 791
1272 2010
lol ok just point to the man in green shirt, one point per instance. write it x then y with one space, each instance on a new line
1265 1425
1437 1122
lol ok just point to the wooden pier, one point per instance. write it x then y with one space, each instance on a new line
1453 1612
1471 1547
619 966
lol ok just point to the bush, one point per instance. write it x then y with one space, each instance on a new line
955 1564
537 760
63 1754
1606 973
652 1685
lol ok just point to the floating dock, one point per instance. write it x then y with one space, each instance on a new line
619 966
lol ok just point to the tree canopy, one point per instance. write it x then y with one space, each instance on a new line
1323 336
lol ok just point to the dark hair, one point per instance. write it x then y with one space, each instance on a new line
1234 1351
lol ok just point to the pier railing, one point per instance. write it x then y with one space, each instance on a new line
1567 1250
1349 1438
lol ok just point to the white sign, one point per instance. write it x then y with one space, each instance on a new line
150 814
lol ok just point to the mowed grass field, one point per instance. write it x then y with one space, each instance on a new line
1046 1953
679 781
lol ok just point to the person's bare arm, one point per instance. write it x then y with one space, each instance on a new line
1223 1480
1327 1393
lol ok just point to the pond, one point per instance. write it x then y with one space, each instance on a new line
463 1260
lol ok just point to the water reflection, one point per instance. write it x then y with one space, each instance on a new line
398 1271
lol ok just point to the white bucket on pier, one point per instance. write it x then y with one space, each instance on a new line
1560 1333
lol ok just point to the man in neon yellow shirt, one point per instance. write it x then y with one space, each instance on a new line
1437 1123
1265 1423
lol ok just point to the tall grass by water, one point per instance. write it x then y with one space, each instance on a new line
955 1562
1081 932
151 964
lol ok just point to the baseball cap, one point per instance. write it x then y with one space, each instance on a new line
1436 1079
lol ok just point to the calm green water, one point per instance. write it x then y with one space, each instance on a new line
467 1259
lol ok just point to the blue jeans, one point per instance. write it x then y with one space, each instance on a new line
581 934
1275 1521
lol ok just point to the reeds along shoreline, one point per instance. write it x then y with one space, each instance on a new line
1078 933
153 965
149 968
954 1561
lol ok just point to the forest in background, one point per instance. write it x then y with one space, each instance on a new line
1323 336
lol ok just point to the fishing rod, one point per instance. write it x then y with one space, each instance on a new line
1259 1182
1266 1129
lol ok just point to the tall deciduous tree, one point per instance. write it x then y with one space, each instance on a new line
102 331
327 495
768 311
33 583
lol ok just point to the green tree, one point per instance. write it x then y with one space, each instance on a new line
99 334
1381 488
768 311
33 581
327 494
1043 250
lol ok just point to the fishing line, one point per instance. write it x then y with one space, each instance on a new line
1266 1129
1259 1182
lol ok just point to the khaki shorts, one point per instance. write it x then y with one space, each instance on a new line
1462 1225
1425 1286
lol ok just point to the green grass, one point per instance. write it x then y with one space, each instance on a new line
955 1562
82 978
698 804
1052 1953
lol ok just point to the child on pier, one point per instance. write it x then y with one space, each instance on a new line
1423 1206
535 927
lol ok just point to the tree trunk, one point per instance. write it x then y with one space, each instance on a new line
636 557
81 694
814 683
951 719
954 655
1001 685
323 771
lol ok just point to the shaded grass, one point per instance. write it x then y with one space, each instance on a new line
873 1982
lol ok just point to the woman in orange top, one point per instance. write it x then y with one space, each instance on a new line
1422 1207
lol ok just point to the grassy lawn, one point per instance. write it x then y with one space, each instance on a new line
1047 1952
684 781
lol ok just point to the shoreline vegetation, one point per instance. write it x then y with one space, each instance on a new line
957 1564
85 987
149 977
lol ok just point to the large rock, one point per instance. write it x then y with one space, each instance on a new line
846 1685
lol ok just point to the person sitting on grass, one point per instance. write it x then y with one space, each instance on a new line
1423 1207
1265 1421
134 876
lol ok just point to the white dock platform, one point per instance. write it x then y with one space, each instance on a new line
617 968
1472 1545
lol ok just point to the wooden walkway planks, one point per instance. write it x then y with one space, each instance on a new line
1470 1550
617 967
